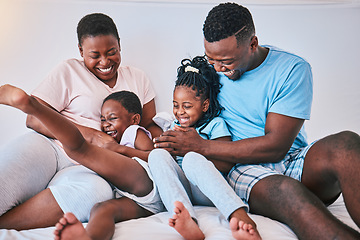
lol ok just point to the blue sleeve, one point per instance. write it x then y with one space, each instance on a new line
295 96
217 128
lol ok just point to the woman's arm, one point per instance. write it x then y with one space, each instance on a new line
149 111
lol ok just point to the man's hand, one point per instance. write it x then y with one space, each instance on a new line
180 141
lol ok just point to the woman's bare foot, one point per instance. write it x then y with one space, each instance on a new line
184 224
242 230
15 97
69 227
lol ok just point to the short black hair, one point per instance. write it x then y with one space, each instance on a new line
227 19
129 100
201 77
96 24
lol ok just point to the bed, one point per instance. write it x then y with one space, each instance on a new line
213 224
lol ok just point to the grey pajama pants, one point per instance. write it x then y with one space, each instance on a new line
32 163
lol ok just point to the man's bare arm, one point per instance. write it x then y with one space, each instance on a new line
280 132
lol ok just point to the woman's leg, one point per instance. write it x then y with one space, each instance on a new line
110 165
102 221
77 189
27 164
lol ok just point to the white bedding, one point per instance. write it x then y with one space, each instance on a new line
211 222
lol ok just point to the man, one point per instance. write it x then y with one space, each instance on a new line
267 95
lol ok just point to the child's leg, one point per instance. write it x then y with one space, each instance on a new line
170 180
112 166
203 174
185 224
102 220
174 190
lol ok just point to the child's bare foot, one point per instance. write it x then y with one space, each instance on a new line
184 224
241 229
13 96
69 227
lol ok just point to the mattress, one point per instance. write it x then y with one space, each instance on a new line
212 223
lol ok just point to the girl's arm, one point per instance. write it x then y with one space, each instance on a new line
143 146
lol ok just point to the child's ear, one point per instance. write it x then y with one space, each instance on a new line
206 105
136 119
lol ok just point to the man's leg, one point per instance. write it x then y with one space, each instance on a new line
289 201
332 167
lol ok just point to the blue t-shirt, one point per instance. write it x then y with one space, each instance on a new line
215 129
281 84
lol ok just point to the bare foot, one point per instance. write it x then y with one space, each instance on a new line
184 224
13 96
241 230
69 227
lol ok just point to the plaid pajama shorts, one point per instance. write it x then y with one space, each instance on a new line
243 177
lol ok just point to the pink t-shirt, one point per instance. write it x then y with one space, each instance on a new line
78 94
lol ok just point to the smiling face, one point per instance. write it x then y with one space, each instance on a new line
230 58
115 119
102 57
187 107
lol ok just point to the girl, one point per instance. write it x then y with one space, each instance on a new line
120 116
193 179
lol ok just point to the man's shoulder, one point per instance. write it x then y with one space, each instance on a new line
284 55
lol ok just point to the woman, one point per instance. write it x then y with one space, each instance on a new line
36 175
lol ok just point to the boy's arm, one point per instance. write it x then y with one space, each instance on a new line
143 146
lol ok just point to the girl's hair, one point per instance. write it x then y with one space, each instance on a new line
128 100
96 24
201 77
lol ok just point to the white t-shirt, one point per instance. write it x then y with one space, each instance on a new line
78 94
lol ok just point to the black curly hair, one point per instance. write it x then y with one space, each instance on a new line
96 24
129 100
206 84
227 19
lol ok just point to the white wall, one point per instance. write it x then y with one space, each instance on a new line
36 35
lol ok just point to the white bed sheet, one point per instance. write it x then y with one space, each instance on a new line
211 222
